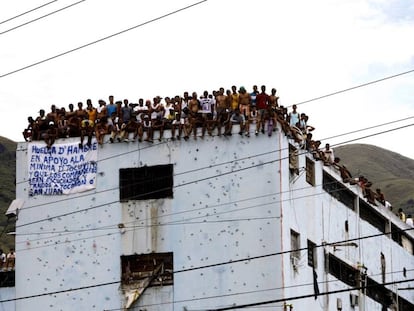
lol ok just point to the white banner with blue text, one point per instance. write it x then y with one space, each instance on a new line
61 169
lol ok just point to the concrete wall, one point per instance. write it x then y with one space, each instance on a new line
234 198
221 212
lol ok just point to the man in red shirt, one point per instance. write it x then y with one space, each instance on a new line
262 102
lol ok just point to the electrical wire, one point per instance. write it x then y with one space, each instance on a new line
26 12
368 128
41 17
102 39
375 134
356 87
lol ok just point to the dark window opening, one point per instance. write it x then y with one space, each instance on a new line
154 268
293 160
7 278
402 238
147 182
396 234
310 171
294 244
343 271
367 213
312 255
338 191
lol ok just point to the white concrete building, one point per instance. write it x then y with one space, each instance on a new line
217 223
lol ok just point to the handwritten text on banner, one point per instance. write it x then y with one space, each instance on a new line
62 169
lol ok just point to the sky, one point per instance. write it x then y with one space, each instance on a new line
305 49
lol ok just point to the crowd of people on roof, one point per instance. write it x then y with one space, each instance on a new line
215 112
183 115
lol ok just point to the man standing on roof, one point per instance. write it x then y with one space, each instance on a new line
262 102
294 117
111 107
244 107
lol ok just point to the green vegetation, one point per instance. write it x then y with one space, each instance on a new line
387 170
7 190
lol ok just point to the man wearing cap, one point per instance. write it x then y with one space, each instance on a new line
101 110
147 127
50 134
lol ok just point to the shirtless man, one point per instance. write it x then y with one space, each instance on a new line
101 129
222 108
195 117
41 124
29 132
273 99
73 122
87 129
244 107
70 113
80 112
62 126
274 109
52 115
221 101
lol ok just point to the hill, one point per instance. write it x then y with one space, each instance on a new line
387 170
7 189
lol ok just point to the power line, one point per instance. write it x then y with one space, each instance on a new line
356 87
368 128
31 10
102 39
60 291
375 134
41 17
